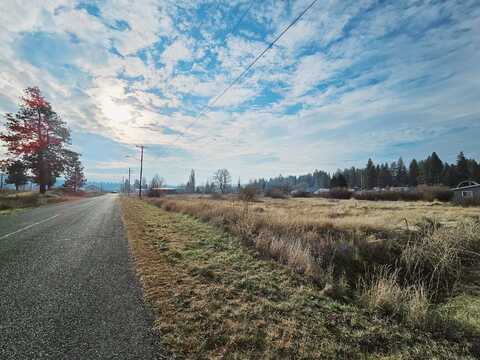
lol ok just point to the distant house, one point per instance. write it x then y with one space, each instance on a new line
466 191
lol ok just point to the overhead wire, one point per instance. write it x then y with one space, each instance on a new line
247 69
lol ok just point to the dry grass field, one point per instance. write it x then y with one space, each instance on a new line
403 259
221 290
344 214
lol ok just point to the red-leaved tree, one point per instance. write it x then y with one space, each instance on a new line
37 135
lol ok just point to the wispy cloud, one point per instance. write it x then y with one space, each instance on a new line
353 79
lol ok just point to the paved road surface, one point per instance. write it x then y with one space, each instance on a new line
67 285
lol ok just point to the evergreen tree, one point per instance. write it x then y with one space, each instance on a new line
435 166
190 187
393 172
476 173
385 176
17 174
450 177
402 173
338 181
74 176
371 175
462 168
413 173
136 184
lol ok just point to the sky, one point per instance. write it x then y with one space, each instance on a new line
351 80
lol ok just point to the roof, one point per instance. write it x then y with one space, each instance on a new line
469 187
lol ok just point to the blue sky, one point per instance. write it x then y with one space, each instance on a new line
352 80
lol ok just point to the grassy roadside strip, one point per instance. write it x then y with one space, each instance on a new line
18 201
214 298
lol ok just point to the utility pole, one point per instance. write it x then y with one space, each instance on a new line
129 172
141 169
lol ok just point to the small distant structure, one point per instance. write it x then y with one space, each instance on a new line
321 191
165 190
466 191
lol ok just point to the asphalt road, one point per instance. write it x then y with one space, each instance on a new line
68 289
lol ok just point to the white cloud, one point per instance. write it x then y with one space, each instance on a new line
335 65
175 52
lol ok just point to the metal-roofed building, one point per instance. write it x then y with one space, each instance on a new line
466 191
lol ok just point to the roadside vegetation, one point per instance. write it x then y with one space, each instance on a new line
11 201
258 281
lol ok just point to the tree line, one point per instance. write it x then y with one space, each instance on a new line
429 171
36 140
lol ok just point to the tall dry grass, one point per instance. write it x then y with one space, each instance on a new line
307 246
382 292
397 272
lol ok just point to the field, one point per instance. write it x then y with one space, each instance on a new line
342 214
309 278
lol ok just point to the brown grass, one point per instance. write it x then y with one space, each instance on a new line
215 298
327 242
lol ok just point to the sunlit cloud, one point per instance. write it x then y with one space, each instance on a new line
352 79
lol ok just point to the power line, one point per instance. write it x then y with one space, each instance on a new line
247 69
240 19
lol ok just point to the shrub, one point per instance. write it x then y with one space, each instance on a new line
154 193
432 193
216 196
423 192
339 193
275 193
24 200
387 195
4 205
248 193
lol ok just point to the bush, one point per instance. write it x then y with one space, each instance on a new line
216 196
248 193
275 193
387 195
426 193
154 193
339 193
432 193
